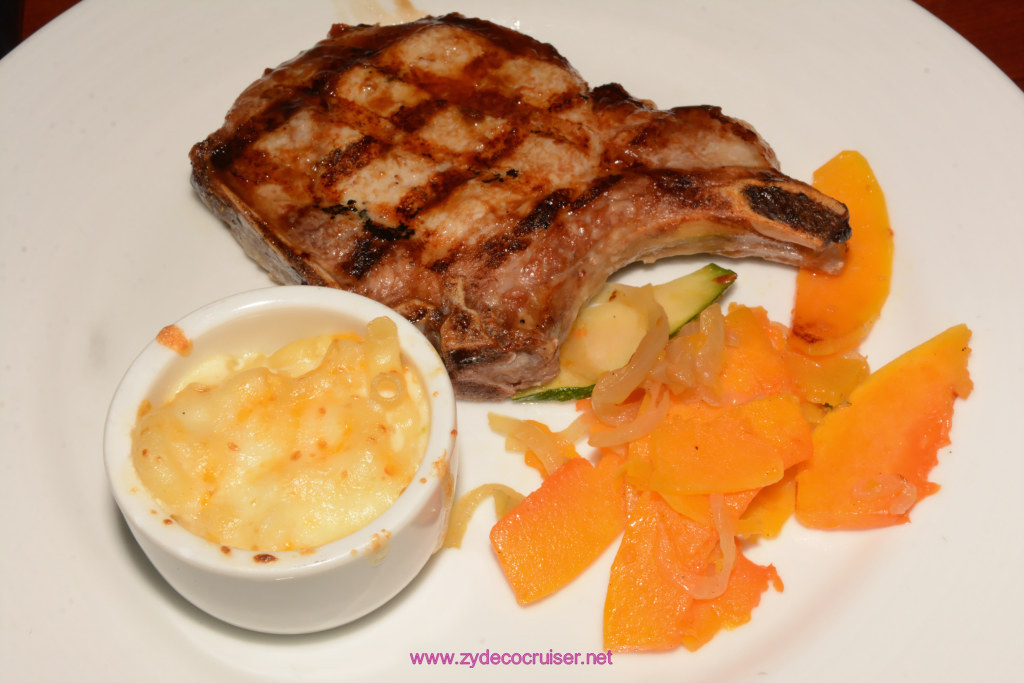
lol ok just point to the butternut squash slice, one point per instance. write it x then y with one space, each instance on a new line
559 529
872 457
770 509
834 313
646 603
827 380
753 366
747 584
698 506
700 449
647 606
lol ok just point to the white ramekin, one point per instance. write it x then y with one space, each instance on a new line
286 592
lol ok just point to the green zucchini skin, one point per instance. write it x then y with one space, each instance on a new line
556 394
683 300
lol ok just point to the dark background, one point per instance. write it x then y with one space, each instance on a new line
996 27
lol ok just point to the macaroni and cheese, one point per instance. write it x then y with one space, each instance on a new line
288 451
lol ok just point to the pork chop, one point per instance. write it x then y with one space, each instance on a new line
465 175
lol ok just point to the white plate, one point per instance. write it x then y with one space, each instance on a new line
104 242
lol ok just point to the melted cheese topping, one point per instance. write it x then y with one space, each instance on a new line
287 451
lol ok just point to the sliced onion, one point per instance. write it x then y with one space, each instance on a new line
578 428
897 489
695 357
705 586
528 436
652 410
901 504
505 499
502 424
680 372
711 357
614 388
708 587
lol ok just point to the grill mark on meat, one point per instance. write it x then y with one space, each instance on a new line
435 191
686 188
290 101
322 85
413 118
373 246
227 149
441 265
499 248
367 253
338 209
566 100
497 177
465 175
500 148
595 190
544 213
336 59
340 163
385 233
639 135
740 131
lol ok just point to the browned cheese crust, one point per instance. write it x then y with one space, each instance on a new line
465 175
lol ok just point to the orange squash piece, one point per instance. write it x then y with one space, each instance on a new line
753 366
834 313
560 528
646 602
873 456
827 380
647 608
698 506
768 512
698 449
733 608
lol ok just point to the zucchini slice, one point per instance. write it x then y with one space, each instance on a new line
607 331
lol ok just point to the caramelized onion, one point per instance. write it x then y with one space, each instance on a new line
578 428
899 491
528 436
614 388
505 499
708 587
652 410
710 357
694 358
